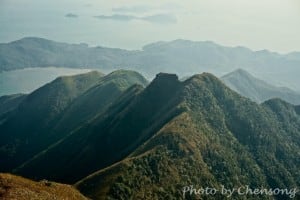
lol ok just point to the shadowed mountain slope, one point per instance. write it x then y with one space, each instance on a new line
150 143
131 120
27 130
220 138
50 113
98 98
10 102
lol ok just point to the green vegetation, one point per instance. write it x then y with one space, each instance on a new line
27 131
220 138
98 98
10 102
52 112
15 187
121 141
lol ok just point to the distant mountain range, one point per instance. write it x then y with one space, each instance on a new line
258 90
117 136
179 56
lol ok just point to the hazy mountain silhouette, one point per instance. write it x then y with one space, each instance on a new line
258 90
179 56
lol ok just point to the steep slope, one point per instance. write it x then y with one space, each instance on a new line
10 102
130 121
98 98
87 105
288 117
27 80
219 138
15 187
257 90
27 130
151 143
298 109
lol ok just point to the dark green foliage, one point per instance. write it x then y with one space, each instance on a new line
297 109
220 138
150 143
10 102
98 98
83 109
53 111
113 135
28 130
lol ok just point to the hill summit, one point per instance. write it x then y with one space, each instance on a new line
151 141
258 90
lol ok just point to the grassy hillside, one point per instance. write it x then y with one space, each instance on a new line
15 187
54 111
10 102
28 129
27 80
96 100
83 146
149 143
220 138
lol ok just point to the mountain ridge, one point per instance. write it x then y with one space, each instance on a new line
46 116
151 142
122 120
181 57
258 90
198 138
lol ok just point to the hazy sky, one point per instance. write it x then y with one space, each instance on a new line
130 24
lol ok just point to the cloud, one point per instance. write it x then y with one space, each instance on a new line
158 18
71 15
117 17
167 7
133 9
161 18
